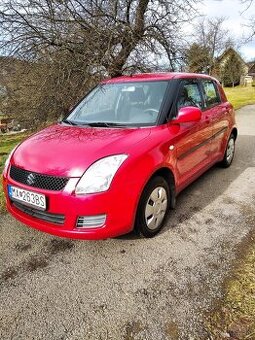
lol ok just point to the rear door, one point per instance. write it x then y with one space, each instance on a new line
217 113
193 144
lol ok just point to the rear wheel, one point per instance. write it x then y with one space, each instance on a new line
153 207
229 153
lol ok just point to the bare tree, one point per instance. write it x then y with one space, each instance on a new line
247 3
70 44
212 38
105 33
251 23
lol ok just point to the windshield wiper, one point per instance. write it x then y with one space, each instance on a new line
104 124
69 122
93 124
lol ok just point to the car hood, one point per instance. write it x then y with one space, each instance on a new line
61 150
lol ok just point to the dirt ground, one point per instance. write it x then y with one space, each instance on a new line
129 288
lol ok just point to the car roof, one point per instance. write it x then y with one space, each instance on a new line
155 77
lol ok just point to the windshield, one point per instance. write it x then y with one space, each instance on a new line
120 104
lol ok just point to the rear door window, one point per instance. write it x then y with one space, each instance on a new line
211 94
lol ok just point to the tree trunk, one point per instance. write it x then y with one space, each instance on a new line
130 41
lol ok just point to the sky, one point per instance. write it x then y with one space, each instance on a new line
235 21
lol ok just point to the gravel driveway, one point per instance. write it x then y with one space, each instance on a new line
129 288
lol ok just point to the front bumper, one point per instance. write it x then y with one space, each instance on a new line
118 203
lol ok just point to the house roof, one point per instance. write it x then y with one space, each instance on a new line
227 51
251 68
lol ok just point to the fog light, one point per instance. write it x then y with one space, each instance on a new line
91 221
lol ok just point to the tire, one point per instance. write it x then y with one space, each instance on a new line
153 207
229 153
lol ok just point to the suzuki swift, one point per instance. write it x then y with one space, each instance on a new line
121 156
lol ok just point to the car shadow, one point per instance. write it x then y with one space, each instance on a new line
208 187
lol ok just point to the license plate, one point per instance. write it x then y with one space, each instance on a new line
27 197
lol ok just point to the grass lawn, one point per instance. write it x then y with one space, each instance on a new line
240 96
7 143
235 317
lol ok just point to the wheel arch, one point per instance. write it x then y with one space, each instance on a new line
168 175
234 132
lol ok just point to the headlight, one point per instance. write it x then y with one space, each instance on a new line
99 175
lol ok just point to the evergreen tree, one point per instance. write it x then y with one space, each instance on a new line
198 59
232 71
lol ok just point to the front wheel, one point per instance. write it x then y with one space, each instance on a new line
153 207
229 153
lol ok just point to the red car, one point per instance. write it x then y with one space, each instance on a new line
121 156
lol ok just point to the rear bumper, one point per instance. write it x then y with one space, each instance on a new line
118 205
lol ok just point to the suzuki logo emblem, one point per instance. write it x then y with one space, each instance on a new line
30 179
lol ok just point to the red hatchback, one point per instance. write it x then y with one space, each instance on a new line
120 158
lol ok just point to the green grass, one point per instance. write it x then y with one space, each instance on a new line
7 143
236 315
240 96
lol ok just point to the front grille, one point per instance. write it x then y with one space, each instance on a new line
41 215
36 180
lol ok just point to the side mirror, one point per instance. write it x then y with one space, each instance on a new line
188 114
